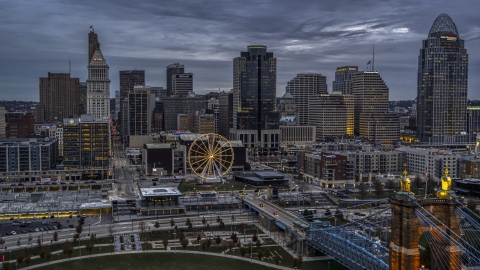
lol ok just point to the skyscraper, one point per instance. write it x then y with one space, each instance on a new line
182 84
59 98
129 79
140 111
302 88
442 84
225 115
98 87
92 43
254 90
343 80
173 69
372 120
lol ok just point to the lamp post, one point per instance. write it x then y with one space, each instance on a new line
89 229
175 238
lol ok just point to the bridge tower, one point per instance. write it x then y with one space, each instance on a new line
407 230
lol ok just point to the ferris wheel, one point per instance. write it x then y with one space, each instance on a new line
210 157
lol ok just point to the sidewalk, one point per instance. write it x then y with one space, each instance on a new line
158 251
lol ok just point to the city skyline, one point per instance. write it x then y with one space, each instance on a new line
205 36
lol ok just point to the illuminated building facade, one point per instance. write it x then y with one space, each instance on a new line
442 85
343 80
98 87
302 88
86 143
254 90
332 115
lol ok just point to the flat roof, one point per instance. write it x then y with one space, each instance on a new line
160 191
157 145
268 173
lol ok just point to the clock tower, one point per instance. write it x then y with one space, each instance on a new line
98 87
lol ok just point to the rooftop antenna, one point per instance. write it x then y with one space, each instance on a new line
373 59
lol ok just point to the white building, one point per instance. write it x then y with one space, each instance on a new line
98 87
432 161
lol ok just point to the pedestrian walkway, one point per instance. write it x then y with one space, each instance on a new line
159 251
127 243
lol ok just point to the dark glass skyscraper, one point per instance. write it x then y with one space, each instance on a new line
255 77
442 85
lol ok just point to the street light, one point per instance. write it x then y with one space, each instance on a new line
175 238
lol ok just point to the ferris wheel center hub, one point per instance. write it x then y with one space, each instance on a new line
211 156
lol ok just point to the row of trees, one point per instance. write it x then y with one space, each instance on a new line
415 185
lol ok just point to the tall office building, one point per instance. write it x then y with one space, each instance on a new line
442 85
92 43
86 143
83 98
59 98
182 84
129 79
254 89
173 69
473 120
302 88
140 111
2 122
343 80
172 106
331 115
372 120
225 114
98 87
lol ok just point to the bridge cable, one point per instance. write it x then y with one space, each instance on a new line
436 247
472 253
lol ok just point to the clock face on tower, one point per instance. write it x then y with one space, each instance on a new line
97 59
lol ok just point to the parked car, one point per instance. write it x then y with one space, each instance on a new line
23 231
71 226
37 229
13 232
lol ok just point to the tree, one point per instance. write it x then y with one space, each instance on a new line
111 230
260 255
378 187
184 243
204 221
218 240
247 167
219 219
230 245
48 255
5 265
89 247
416 184
188 222
204 245
79 229
199 238
142 226
55 237
30 239
165 243
190 225
39 242
2 241
20 257
19 243
254 237
172 222
67 249
156 225
208 227
27 260
209 242
430 185
362 188
243 251
258 244
42 254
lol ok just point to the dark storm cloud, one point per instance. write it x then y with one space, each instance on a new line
38 37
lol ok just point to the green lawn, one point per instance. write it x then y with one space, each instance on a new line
194 186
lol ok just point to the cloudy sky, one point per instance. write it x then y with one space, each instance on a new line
37 37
